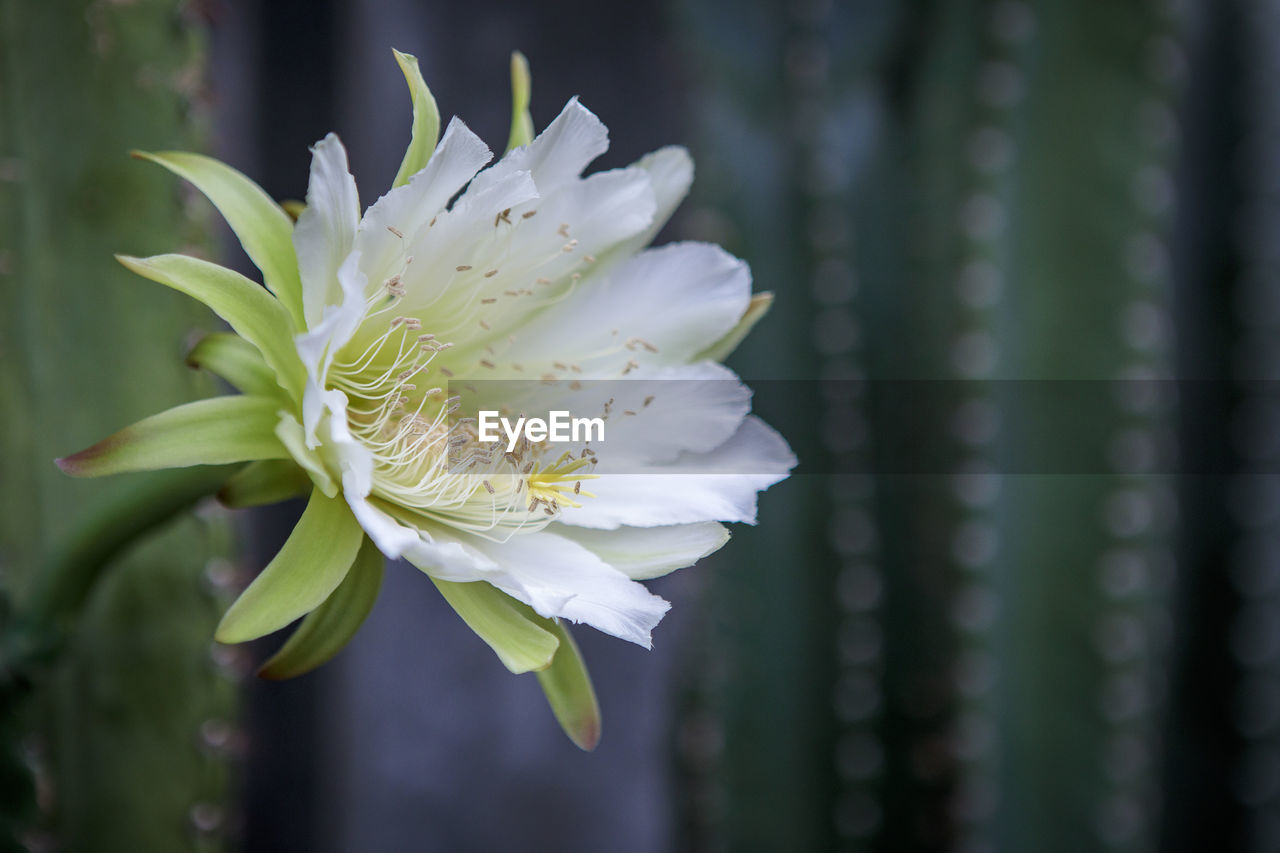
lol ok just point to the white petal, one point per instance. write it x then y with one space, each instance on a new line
447 560
716 486
314 406
588 217
558 154
392 538
432 280
693 408
343 453
327 228
679 298
409 208
583 218
557 577
670 174
653 417
317 346
325 432
553 575
642 553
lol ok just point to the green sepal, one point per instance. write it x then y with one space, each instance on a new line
329 627
426 121
568 689
265 482
246 307
756 309
510 627
235 360
314 560
521 89
262 226
207 432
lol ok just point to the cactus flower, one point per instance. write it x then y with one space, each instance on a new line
517 270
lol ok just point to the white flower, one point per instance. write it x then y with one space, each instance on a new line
532 271
537 268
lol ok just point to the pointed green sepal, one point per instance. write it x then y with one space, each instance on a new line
756 309
207 432
426 121
314 560
246 307
331 626
510 627
266 482
521 89
234 359
262 226
293 207
567 686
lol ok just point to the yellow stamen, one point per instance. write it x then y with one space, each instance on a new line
559 483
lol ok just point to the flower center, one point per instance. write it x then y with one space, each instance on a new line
431 461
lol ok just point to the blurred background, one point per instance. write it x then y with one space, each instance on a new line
968 654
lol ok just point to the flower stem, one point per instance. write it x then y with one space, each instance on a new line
35 635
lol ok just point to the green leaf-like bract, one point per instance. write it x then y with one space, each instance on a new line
510 627
309 567
246 307
567 686
206 432
265 482
331 626
426 121
263 228
756 309
521 89
237 361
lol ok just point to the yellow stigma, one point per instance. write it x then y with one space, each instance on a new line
559 483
